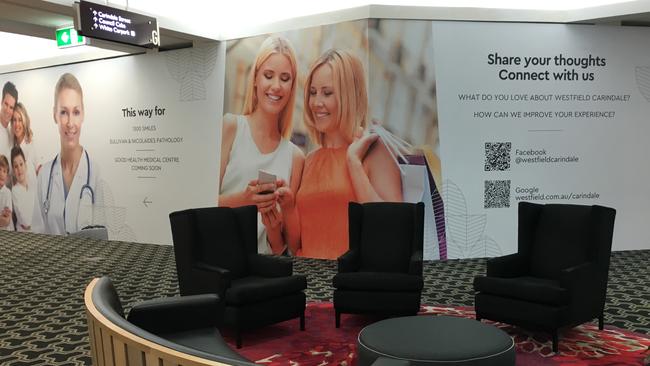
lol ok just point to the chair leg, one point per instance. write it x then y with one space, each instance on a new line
238 338
302 321
555 341
601 322
337 318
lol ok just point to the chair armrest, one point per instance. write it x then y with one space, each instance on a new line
222 276
582 278
220 272
586 290
415 263
513 265
270 266
349 261
175 314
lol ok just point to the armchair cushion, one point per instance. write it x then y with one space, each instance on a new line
270 266
513 265
254 289
378 281
179 313
532 289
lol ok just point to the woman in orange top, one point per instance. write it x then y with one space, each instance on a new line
346 167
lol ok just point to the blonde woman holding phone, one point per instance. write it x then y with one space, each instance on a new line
256 143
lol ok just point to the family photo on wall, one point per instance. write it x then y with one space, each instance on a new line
48 197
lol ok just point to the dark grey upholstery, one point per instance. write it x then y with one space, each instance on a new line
382 271
558 277
435 340
185 324
216 252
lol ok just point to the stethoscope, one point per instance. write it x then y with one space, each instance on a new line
46 204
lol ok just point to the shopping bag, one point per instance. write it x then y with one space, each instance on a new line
418 185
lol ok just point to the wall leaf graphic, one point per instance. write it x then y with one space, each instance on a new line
190 67
464 231
643 80
485 247
106 213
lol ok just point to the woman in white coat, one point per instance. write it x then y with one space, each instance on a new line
67 188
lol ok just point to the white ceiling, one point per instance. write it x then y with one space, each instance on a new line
189 21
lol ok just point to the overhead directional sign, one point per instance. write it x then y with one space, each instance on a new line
68 37
117 25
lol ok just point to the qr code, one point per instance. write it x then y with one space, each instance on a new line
497 193
497 156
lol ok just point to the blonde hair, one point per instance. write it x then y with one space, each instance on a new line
350 87
68 81
4 163
271 46
20 108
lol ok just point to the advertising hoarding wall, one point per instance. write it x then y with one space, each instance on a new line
144 125
545 113
497 113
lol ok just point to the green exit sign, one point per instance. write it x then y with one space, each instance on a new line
68 37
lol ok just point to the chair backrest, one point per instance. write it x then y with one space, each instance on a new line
386 234
220 240
566 235
216 236
183 235
116 341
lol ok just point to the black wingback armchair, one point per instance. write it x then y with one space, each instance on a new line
558 277
381 273
216 252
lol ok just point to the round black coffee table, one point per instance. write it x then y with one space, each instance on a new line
436 340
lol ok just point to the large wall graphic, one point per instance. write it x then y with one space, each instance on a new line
141 132
544 113
390 93
473 118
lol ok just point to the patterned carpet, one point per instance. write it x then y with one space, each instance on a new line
282 344
42 279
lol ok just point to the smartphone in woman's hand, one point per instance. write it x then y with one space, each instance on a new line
266 178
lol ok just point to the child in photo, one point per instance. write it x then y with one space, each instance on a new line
6 208
22 192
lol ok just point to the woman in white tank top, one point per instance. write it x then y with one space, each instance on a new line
259 140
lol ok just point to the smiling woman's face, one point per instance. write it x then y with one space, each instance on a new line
69 116
273 84
323 100
18 125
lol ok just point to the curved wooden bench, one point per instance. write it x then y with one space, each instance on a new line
115 343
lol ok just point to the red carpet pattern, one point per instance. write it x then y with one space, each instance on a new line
323 344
